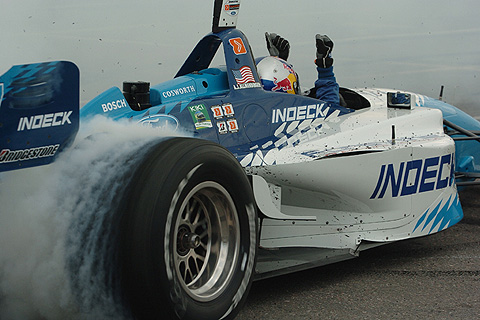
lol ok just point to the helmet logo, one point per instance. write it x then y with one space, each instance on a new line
283 85
290 70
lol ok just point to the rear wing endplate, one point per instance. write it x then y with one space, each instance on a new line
39 113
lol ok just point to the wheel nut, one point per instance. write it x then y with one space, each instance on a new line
194 240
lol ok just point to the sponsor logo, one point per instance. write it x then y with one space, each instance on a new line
178 91
223 110
231 7
44 121
228 110
415 176
222 127
247 85
200 116
287 67
217 112
284 85
113 105
230 125
312 111
160 121
7 155
238 46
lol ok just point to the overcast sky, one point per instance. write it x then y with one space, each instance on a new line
409 44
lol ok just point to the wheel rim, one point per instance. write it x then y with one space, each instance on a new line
206 241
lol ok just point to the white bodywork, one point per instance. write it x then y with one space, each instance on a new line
375 175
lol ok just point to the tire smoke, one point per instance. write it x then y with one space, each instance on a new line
52 222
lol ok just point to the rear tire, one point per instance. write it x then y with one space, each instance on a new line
189 233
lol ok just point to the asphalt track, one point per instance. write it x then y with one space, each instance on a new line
434 277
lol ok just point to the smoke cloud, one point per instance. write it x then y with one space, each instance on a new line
50 221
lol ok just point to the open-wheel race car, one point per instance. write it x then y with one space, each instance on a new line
267 183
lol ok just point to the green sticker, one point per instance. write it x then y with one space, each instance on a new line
200 116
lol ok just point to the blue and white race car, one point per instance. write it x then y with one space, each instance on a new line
268 183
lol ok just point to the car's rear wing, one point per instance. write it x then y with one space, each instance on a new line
39 113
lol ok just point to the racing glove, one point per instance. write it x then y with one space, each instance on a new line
324 51
277 46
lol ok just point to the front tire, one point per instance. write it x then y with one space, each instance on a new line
189 233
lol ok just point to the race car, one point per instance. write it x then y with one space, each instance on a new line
266 183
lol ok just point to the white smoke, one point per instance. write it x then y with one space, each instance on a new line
42 209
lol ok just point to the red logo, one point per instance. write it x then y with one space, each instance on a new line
284 85
217 112
228 110
232 125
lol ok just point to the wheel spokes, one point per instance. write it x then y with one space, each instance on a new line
194 222
206 240
191 266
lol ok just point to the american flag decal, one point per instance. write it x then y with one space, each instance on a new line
243 75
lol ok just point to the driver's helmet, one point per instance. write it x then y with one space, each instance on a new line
277 75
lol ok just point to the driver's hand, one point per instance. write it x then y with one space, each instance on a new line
277 46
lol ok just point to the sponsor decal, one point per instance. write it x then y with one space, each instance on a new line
113 105
238 46
290 70
160 121
200 116
247 85
222 127
284 85
312 111
7 155
225 110
219 111
232 7
232 125
415 176
44 121
228 110
244 78
178 91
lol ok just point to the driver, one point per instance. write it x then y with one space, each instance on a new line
277 74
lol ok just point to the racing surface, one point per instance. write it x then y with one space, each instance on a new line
434 277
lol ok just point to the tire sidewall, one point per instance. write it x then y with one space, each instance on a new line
200 163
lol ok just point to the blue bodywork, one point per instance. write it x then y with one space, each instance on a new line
196 98
467 152
39 107
226 105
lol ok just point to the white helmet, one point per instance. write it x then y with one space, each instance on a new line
278 75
